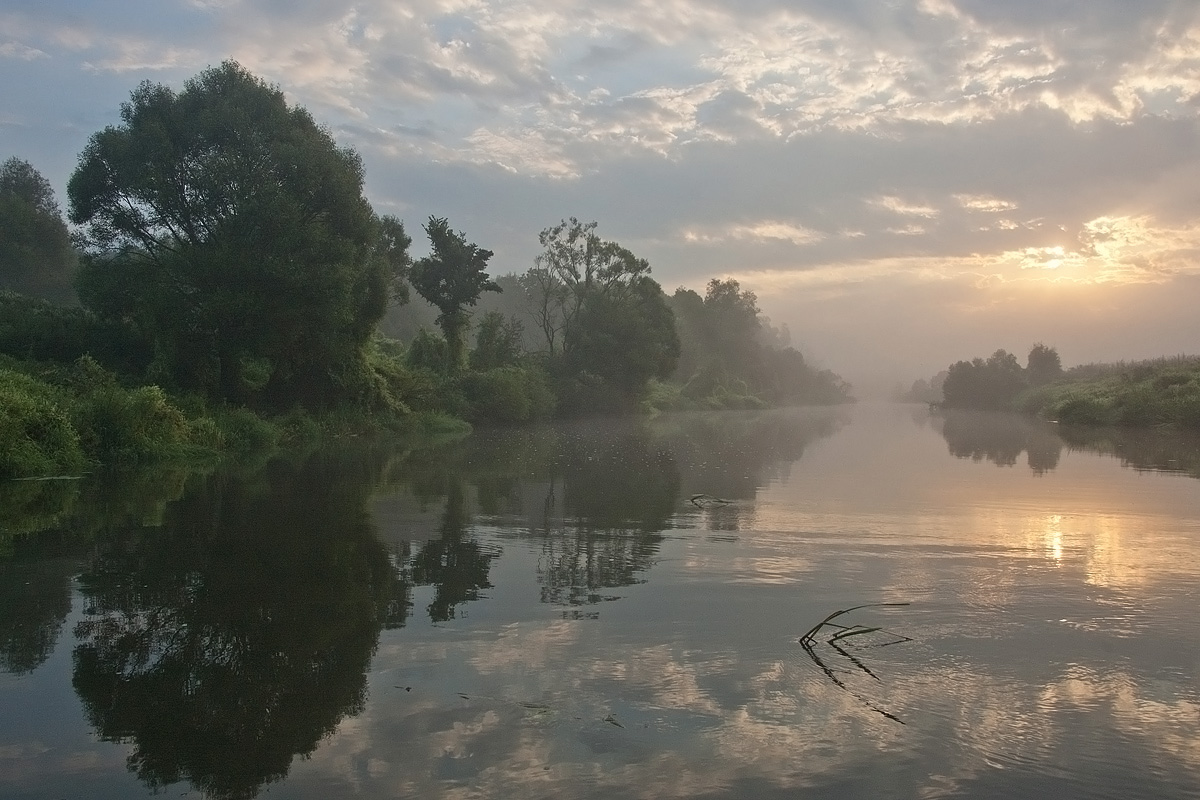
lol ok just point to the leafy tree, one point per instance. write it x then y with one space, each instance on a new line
452 277
233 230
990 384
624 338
733 358
497 342
575 264
36 254
1043 365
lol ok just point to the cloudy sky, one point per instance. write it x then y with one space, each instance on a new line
902 182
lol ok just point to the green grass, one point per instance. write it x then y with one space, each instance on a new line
1160 392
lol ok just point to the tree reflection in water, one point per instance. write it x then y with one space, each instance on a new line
1002 437
597 495
239 633
454 563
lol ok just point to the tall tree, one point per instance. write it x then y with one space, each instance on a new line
625 338
36 254
575 264
233 229
1043 365
979 383
452 277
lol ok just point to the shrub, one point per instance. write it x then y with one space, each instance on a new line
1080 410
506 395
244 431
122 426
37 436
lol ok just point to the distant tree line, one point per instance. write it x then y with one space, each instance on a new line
1155 392
225 252
992 383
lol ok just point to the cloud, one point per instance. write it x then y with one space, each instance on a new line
20 51
763 231
898 206
975 202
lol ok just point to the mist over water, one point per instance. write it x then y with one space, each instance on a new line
616 608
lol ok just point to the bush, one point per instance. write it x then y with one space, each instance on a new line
40 330
36 435
244 431
1079 410
506 395
119 426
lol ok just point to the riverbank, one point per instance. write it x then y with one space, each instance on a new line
1163 391
68 419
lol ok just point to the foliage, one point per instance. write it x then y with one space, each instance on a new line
35 431
575 264
990 384
507 395
429 351
118 425
62 419
452 277
623 337
925 391
497 342
1043 365
1156 392
36 254
732 358
231 229
1140 394
38 329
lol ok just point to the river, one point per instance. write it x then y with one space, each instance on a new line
618 609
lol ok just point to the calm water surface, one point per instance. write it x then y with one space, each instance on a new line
545 614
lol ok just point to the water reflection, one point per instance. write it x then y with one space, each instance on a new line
46 530
597 495
237 634
225 624
1002 438
454 563
35 598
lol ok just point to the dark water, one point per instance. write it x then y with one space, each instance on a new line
545 614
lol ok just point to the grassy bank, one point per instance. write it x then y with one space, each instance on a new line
1164 391
58 420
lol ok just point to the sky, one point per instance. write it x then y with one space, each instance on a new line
903 183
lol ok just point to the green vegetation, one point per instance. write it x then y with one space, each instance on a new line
732 357
1164 391
36 255
233 282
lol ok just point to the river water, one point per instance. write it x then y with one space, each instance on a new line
547 613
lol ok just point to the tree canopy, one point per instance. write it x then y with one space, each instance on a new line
452 277
36 254
988 384
233 230
732 357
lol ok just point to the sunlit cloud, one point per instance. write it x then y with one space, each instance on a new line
981 202
898 206
908 230
764 231
1117 250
